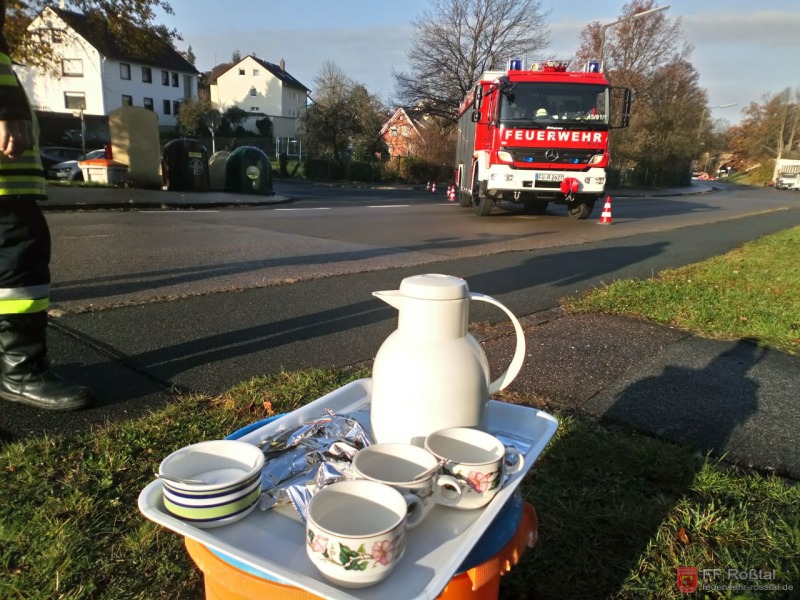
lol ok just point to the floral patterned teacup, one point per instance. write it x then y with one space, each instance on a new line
477 459
412 471
356 532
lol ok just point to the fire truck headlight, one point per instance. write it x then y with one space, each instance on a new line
505 156
596 159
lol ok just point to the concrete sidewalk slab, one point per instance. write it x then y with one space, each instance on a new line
730 398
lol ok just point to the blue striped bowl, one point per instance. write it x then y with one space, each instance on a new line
212 483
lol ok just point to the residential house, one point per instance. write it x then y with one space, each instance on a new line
403 134
95 75
261 88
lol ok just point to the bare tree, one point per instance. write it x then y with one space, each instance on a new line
650 56
456 40
344 116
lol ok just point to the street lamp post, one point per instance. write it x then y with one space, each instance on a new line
703 116
631 18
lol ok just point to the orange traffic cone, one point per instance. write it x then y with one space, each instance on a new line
428 187
452 195
433 187
605 218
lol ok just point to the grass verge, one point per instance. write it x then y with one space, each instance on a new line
618 511
752 292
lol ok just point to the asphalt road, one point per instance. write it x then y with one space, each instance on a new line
201 301
115 258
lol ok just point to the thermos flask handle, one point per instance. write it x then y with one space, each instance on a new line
511 372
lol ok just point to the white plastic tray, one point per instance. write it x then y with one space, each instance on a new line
273 541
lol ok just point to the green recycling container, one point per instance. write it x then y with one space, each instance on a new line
248 171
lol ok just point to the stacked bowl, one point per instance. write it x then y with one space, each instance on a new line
212 483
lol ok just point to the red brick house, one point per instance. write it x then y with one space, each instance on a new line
403 134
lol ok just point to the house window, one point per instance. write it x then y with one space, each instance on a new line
124 71
164 77
147 75
241 71
148 103
255 72
187 87
127 100
254 109
72 67
174 80
75 100
167 107
55 37
176 107
253 91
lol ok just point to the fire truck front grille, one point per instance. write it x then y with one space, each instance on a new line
566 156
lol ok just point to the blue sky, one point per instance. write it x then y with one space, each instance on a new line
742 49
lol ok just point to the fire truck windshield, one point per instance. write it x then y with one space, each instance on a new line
555 104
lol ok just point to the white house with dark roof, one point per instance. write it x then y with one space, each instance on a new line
97 76
261 88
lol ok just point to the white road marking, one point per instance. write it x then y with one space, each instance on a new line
389 206
319 208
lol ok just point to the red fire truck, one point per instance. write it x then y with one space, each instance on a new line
535 136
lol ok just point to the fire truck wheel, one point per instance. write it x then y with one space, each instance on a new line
535 207
482 204
464 199
581 209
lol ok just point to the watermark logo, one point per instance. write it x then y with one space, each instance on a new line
688 579
691 579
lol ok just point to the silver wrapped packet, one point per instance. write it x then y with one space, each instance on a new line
303 459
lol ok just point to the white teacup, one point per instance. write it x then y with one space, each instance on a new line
356 531
412 471
477 459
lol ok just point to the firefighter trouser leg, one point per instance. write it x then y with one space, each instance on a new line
24 295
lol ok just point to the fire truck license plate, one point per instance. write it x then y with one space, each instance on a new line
549 177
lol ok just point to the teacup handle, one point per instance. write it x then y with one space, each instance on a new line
519 353
515 465
447 490
416 510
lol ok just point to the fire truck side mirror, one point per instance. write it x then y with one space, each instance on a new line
476 116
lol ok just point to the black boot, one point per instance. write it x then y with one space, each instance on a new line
25 375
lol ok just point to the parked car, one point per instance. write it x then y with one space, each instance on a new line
69 170
52 155
74 136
